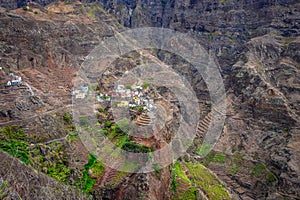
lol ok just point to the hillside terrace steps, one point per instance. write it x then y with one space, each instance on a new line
110 173
183 185
143 120
203 125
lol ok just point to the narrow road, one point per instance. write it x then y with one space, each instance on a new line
58 139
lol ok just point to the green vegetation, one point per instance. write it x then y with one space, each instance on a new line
93 87
72 136
4 191
191 194
179 172
145 85
135 147
67 118
261 171
121 139
105 131
49 159
214 157
258 169
270 178
14 142
157 168
219 158
203 150
96 167
59 171
114 131
129 87
52 160
108 124
103 110
200 178
207 181
174 183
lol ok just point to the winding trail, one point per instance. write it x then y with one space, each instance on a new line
58 139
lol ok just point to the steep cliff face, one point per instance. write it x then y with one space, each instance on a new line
256 44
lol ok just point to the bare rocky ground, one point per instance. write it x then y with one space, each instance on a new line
257 45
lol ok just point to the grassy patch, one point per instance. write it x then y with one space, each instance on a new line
207 181
4 191
271 178
191 194
52 160
261 171
60 172
203 150
174 183
219 158
97 169
14 142
145 85
93 87
214 157
135 147
179 172
67 118
258 170
120 140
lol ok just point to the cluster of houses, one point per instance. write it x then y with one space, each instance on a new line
14 80
129 96
81 93
133 97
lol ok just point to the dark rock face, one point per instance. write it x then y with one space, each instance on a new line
12 4
256 44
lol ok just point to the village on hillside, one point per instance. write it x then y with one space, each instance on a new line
136 97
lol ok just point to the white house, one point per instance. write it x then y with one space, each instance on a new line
80 96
